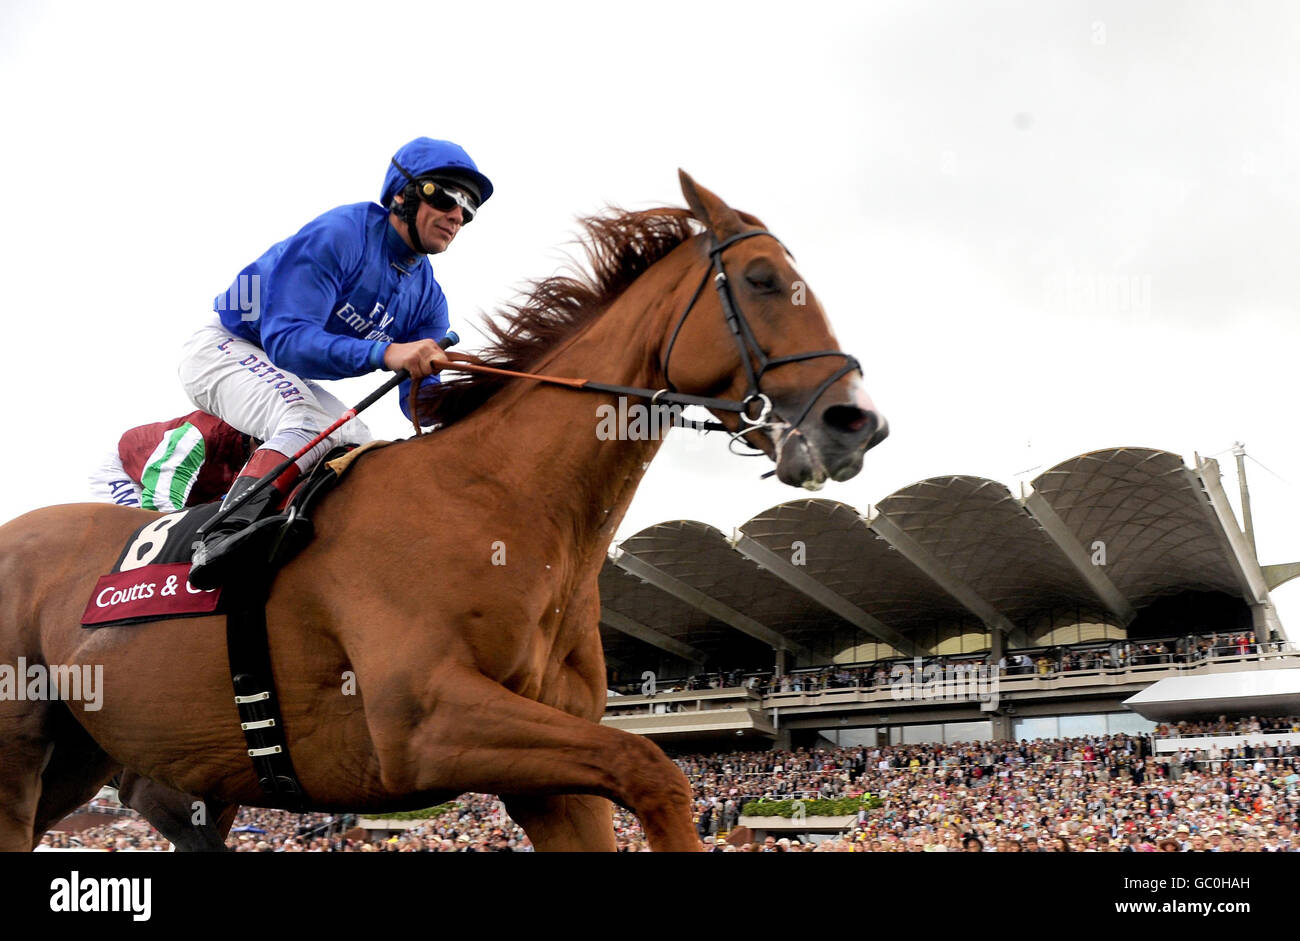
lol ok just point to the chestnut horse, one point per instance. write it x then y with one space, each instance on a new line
411 664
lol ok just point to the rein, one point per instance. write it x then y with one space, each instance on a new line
467 362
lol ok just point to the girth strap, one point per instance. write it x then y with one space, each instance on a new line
254 684
246 640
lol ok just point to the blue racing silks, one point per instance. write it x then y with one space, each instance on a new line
326 303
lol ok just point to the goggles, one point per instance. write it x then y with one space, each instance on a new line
445 198
440 196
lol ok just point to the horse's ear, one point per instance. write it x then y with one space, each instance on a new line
720 218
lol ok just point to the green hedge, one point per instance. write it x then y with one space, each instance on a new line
425 814
811 808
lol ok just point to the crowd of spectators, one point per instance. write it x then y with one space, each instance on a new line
474 823
1225 726
126 834
1089 794
1095 794
1049 661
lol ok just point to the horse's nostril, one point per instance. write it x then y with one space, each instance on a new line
882 432
849 419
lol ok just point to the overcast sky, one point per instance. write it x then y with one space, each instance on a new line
1044 231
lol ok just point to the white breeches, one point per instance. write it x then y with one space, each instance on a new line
234 380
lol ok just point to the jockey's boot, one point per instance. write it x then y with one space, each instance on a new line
241 542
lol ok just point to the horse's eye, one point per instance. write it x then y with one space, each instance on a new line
762 276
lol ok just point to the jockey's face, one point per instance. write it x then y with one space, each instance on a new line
436 228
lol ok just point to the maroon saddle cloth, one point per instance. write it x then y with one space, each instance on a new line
149 580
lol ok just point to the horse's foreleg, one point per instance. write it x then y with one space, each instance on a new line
565 823
193 825
471 734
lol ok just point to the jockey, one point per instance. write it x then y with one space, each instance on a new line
350 293
169 465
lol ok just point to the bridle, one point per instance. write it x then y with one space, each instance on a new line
750 352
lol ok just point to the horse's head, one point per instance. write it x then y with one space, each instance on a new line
760 336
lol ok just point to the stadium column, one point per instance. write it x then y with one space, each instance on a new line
1265 622
1000 721
783 738
1001 731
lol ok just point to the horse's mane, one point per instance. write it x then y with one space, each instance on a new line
620 246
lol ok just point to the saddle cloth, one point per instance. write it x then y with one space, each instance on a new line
149 581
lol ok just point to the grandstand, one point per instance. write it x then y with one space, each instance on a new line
816 623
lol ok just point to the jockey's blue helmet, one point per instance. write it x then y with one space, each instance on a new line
440 159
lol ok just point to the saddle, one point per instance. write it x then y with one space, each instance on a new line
145 583
149 583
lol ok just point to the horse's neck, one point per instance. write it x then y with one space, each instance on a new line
543 440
